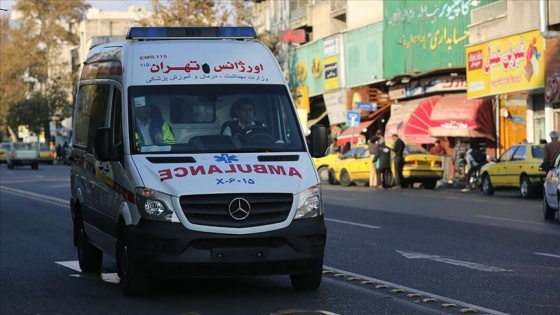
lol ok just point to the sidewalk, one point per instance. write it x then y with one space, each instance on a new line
442 184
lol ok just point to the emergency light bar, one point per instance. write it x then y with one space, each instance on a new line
190 32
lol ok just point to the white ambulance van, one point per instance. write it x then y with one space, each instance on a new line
189 160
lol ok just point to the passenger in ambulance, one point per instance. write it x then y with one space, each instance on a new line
152 129
243 112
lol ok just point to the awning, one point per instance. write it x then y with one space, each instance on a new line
346 135
411 120
456 116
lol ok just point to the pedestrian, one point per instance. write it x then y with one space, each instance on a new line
59 153
398 148
373 147
345 148
437 149
383 164
551 150
459 159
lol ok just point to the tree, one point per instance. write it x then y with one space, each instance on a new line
31 51
34 112
207 13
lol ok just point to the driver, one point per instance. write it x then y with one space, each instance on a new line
244 114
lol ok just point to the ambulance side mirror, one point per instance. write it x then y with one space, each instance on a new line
318 144
103 145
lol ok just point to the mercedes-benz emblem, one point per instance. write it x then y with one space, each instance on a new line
239 209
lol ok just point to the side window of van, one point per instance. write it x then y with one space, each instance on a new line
92 112
117 117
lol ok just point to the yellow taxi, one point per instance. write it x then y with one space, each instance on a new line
420 166
46 154
5 147
323 164
517 168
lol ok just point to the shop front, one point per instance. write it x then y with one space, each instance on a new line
510 71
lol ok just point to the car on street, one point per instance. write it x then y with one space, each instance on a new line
24 153
323 164
517 168
551 194
420 167
46 154
5 147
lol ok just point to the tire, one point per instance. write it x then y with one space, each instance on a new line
525 187
308 281
89 256
548 212
35 166
345 178
430 184
132 281
324 174
487 187
10 166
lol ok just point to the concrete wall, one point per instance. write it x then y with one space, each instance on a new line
363 12
554 11
321 20
522 16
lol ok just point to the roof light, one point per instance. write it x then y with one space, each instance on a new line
190 32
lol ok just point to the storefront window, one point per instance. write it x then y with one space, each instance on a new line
540 129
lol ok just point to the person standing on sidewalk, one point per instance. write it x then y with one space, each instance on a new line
373 147
398 148
551 149
383 164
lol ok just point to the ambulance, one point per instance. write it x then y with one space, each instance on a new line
157 184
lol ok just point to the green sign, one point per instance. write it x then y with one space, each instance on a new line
425 35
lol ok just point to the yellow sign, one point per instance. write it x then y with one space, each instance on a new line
510 64
301 98
301 71
331 73
316 67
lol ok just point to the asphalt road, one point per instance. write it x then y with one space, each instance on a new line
409 251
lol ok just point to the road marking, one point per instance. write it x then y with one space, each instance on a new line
411 290
548 255
352 223
75 265
471 265
511 220
36 196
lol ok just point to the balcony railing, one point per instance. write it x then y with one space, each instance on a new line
489 12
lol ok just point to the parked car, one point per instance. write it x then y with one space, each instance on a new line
551 195
5 147
420 167
517 168
323 164
24 153
46 154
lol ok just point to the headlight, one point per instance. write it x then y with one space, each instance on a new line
153 205
310 203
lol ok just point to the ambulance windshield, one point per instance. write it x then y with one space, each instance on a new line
213 118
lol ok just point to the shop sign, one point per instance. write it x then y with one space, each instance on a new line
506 65
293 36
552 56
331 73
441 84
301 98
335 102
330 46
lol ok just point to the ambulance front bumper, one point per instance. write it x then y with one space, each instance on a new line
167 249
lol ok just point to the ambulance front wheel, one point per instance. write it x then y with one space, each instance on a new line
308 281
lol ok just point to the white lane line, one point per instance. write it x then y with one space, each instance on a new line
352 223
511 220
29 194
470 265
411 290
548 255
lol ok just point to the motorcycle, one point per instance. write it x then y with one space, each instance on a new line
475 180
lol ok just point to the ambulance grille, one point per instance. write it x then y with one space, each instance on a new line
212 210
277 158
